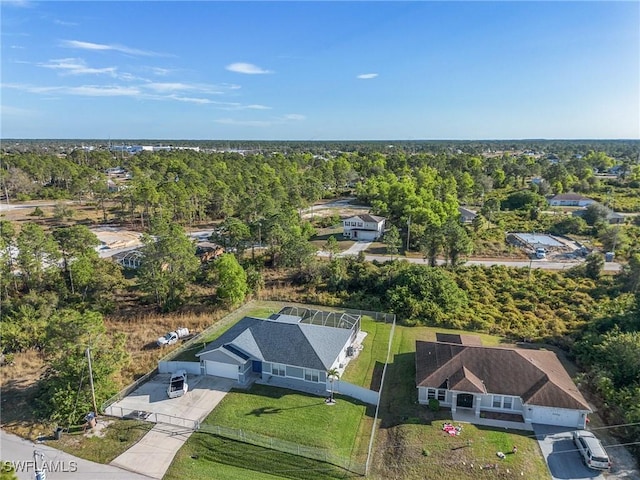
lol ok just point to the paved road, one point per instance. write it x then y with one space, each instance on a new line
541 264
60 465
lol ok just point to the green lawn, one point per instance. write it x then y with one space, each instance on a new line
293 416
206 457
341 429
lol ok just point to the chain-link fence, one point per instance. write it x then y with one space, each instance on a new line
306 451
153 417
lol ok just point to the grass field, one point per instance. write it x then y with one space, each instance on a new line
207 457
293 416
285 415
115 438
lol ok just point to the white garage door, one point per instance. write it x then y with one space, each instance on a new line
224 370
555 416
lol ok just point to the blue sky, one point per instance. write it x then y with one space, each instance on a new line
320 70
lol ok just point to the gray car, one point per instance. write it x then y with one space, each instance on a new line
592 451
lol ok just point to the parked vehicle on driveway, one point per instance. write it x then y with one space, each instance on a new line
177 384
541 252
172 337
593 453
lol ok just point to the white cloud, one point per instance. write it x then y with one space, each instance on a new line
247 68
64 23
84 90
76 66
200 101
256 107
367 76
261 123
104 47
244 123
15 111
168 87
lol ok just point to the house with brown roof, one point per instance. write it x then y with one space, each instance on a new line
524 385
363 227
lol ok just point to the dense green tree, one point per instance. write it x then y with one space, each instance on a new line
425 295
457 241
37 255
169 264
594 265
392 240
569 225
75 241
231 279
64 394
331 246
523 199
595 213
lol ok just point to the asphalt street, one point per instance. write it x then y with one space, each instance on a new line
57 464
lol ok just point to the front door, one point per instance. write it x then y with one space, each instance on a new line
465 400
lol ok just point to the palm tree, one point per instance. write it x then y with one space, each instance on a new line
332 375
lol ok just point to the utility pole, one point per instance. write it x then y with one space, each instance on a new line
408 231
40 473
93 392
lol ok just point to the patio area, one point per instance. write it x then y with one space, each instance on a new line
468 416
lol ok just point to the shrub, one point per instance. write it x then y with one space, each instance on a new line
434 404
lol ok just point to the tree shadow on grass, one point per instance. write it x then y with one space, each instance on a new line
399 399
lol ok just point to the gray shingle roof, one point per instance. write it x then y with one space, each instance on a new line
302 345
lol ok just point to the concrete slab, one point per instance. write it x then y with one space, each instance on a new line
562 457
153 454
204 394
175 417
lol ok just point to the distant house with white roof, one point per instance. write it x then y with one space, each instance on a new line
363 227
570 200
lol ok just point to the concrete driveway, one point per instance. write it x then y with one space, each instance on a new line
175 418
561 455
204 394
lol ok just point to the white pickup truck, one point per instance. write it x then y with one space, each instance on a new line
177 384
172 337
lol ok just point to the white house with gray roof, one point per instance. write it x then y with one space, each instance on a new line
285 349
363 227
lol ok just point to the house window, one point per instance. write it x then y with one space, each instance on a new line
503 402
311 375
278 369
440 394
